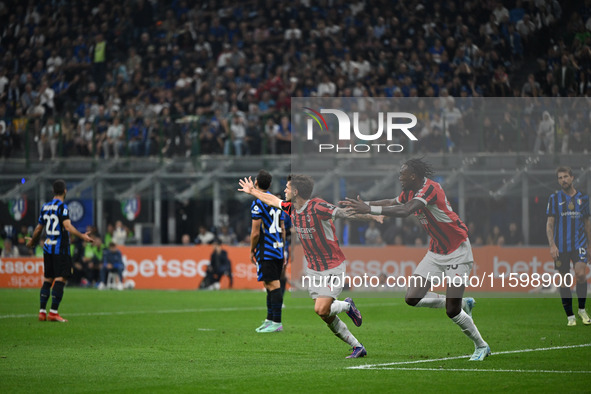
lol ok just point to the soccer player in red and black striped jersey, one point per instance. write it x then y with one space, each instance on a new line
57 262
312 220
449 254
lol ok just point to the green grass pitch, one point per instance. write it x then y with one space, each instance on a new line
182 341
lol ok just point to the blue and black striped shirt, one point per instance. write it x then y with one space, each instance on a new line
270 244
569 225
52 218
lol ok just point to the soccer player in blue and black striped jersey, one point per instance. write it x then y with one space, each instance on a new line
266 252
57 262
569 230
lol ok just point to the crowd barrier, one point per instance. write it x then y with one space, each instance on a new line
183 267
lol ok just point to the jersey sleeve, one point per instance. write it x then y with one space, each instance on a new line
255 210
325 210
65 214
585 210
427 194
551 208
286 207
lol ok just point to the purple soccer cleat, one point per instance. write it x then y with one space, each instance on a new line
354 313
358 352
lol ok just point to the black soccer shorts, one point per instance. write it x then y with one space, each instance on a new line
57 265
269 270
562 264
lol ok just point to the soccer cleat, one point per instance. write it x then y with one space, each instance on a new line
358 352
468 305
353 312
273 327
264 325
480 353
42 315
584 317
55 317
572 321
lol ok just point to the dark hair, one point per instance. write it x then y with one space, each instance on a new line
59 187
264 179
303 184
564 169
420 168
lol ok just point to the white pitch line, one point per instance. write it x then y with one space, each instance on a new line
201 310
542 349
481 370
143 312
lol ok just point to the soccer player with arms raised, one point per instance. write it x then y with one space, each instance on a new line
449 254
568 229
313 222
57 262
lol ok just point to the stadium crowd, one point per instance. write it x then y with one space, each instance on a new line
180 78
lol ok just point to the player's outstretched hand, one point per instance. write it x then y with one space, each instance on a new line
29 242
86 237
344 204
379 218
246 185
358 206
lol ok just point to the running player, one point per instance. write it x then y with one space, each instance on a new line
569 230
267 252
57 262
313 221
449 253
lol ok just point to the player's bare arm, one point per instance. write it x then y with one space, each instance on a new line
348 213
247 186
32 242
73 230
401 210
255 233
550 236
382 203
284 239
588 231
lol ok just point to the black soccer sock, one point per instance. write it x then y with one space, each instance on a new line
282 283
269 309
276 304
567 300
44 294
582 293
56 294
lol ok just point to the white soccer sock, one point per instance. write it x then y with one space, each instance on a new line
340 330
432 300
338 306
469 328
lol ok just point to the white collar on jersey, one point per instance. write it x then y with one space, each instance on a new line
303 207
